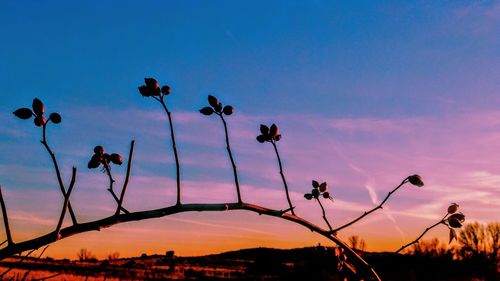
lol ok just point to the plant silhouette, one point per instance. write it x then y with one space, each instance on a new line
347 256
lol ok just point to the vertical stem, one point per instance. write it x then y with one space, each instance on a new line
58 173
127 176
5 219
174 148
228 147
283 177
324 214
110 189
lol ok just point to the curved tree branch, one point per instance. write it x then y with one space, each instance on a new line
372 210
38 242
421 235
324 215
56 167
110 189
284 180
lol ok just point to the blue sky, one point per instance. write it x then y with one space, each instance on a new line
365 92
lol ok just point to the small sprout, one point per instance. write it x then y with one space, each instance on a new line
273 131
165 90
100 157
151 88
38 107
269 134
23 113
228 110
319 190
453 235
453 208
213 101
456 220
55 118
216 107
315 192
206 111
264 130
105 158
39 121
416 180
94 161
116 159
315 184
308 196
261 138
98 149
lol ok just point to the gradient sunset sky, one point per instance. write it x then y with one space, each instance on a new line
365 94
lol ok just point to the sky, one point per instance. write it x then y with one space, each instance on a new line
365 93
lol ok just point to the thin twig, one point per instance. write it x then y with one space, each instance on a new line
324 214
35 243
5 219
110 189
421 235
5 241
127 176
372 210
36 260
58 173
283 178
18 262
66 200
228 147
174 148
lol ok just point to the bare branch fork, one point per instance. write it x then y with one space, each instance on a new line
453 220
380 206
56 167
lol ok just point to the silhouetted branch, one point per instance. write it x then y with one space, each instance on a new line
283 178
324 215
18 262
157 213
58 173
36 260
442 221
372 210
174 148
66 200
110 189
5 241
5 219
228 147
127 176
